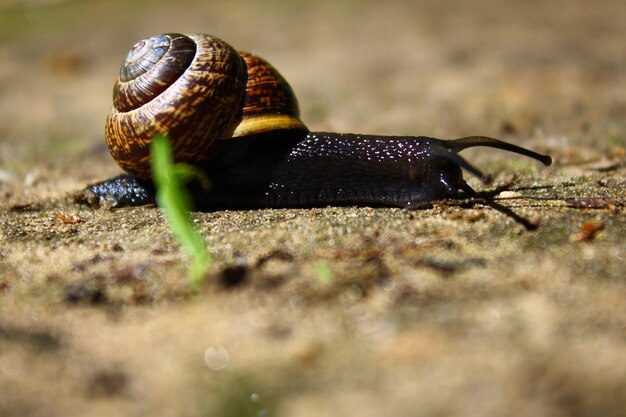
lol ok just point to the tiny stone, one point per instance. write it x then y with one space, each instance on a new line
509 194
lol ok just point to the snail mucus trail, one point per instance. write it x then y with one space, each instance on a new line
234 116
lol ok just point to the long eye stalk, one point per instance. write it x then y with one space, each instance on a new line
458 145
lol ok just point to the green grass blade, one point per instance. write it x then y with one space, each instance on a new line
171 196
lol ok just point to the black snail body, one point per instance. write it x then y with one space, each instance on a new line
235 117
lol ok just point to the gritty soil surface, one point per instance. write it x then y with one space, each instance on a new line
456 310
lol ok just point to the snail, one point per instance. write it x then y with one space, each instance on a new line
234 116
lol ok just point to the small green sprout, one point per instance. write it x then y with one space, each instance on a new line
172 197
324 273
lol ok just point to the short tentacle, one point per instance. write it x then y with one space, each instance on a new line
451 155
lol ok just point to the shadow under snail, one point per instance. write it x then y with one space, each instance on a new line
234 116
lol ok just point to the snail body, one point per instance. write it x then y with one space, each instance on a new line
234 116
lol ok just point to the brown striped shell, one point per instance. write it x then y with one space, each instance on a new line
269 102
194 89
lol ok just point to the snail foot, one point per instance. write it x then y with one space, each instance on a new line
121 191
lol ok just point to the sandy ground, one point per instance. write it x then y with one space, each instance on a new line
451 311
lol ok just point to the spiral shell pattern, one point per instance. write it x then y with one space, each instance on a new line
189 87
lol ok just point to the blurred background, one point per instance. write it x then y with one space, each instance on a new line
547 73
480 318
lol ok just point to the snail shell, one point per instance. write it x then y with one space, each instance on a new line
196 89
269 101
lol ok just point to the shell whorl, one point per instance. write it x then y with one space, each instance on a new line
269 103
188 87
150 67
